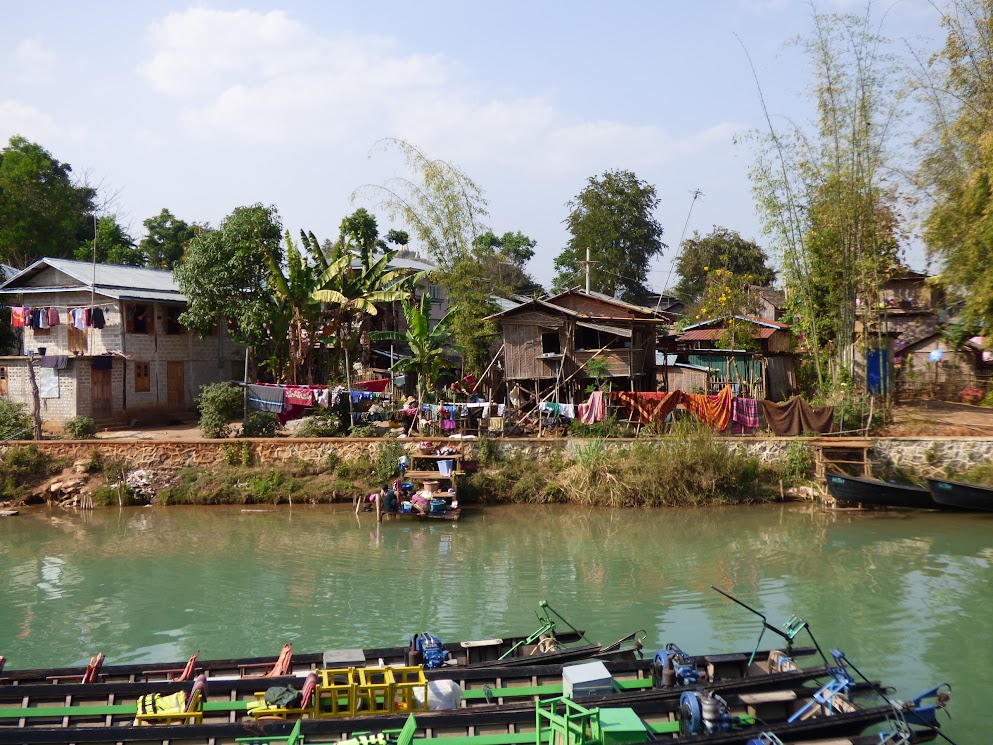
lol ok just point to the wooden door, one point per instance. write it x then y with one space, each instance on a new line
101 394
176 383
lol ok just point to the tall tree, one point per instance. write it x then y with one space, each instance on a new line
166 239
113 245
824 191
42 211
440 203
721 248
957 170
614 219
444 209
227 272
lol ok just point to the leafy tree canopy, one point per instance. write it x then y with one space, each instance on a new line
113 245
42 211
613 217
721 248
166 239
957 170
227 272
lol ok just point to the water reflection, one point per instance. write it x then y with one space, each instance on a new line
906 596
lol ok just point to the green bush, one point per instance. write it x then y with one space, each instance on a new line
80 428
261 424
15 422
386 460
325 423
797 464
363 430
218 405
22 467
609 427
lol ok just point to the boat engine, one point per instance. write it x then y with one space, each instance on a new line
672 666
704 713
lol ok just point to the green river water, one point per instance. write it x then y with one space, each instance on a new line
908 597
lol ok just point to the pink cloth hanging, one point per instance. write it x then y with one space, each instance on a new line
594 410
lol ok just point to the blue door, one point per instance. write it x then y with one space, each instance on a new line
877 371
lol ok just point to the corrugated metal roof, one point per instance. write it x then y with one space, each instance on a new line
750 319
113 281
615 330
715 334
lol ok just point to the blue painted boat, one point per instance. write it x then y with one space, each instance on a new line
960 495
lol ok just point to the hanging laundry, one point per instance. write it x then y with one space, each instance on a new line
795 416
55 361
594 410
96 318
714 411
373 386
53 317
298 396
17 316
265 398
649 406
43 318
79 319
745 411
322 397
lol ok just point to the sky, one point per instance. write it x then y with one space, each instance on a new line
203 107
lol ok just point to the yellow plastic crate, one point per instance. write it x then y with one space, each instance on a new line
335 693
374 690
407 681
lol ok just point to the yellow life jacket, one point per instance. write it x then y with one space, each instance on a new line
161 703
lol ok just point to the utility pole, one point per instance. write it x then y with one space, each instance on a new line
586 264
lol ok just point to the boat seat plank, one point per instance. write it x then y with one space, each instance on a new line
514 692
663 728
481 643
33 712
719 659
767 697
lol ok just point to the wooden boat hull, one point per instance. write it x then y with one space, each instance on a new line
452 514
960 495
876 493
112 723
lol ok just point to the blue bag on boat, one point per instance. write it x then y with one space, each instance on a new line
432 650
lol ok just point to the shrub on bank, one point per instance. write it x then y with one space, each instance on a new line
15 422
80 428
218 404
22 468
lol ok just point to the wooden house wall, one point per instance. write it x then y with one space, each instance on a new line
684 379
778 342
522 346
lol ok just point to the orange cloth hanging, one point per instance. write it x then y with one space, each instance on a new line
648 407
714 411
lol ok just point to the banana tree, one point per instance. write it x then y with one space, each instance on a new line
427 345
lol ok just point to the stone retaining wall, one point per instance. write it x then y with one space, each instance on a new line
915 453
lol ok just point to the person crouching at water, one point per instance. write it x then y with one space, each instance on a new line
421 502
389 498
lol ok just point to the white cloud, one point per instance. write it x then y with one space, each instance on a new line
18 118
33 61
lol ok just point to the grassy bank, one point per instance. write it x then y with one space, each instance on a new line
690 466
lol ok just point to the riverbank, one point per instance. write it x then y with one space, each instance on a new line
691 466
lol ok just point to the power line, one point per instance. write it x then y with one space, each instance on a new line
696 195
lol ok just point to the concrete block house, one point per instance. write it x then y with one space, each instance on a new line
127 357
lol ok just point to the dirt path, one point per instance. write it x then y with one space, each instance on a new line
940 419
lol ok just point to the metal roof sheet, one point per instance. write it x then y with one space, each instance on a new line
615 330
109 276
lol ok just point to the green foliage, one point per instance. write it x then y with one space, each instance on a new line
113 245
957 167
825 195
166 240
324 423
23 467
218 404
441 205
426 345
363 430
797 465
227 272
613 217
80 428
987 399
488 451
610 427
722 248
261 424
42 212
15 422
386 460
